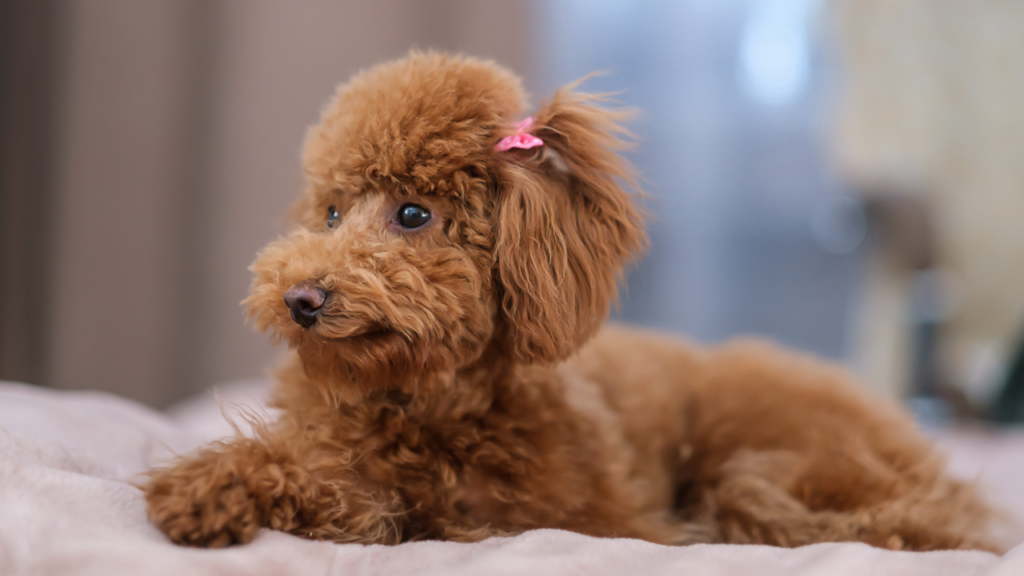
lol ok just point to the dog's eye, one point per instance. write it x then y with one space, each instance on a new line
413 216
332 217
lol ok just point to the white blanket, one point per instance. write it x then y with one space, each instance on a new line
67 506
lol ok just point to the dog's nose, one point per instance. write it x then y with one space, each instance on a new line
305 301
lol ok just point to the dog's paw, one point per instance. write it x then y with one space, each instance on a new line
205 511
217 499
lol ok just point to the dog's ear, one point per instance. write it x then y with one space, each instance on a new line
565 226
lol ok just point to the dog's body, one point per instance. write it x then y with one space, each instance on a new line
441 298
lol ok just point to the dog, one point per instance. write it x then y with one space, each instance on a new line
448 376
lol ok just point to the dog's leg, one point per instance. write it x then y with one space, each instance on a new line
786 450
773 498
224 494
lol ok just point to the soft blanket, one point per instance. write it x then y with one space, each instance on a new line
68 506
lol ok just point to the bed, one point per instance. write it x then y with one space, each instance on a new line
68 505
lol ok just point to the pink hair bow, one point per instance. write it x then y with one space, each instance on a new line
521 139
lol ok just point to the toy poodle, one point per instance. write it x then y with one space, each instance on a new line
448 376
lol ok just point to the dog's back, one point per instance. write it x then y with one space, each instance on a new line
770 446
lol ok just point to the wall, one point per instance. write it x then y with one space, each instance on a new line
178 151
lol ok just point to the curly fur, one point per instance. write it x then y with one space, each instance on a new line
454 387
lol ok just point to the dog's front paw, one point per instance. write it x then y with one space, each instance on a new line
195 508
219 498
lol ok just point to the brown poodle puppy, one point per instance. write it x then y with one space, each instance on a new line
442 297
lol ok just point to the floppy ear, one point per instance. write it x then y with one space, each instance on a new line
565 227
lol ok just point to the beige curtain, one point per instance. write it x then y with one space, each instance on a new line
933 102
177 153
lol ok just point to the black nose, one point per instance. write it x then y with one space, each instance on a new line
305 301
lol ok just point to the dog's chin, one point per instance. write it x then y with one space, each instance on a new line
374 357
335 333
348 330
345 349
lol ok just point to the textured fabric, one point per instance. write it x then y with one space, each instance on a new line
67 506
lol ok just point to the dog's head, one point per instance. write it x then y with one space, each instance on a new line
420 245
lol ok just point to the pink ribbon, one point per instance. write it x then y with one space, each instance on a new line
521 139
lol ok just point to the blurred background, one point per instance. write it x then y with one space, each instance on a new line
845 176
